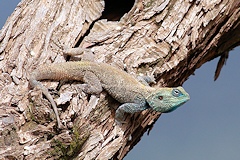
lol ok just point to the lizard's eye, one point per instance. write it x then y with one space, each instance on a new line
176 92
160 97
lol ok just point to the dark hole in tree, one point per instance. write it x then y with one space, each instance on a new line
115 9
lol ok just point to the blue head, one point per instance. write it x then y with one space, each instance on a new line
167 99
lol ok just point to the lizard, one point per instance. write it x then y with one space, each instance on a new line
133 95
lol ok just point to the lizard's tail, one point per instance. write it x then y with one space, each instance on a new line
35 83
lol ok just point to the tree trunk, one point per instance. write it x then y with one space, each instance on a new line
170 38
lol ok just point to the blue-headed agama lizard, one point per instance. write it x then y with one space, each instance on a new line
134 95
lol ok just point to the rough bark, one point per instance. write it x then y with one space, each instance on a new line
171 38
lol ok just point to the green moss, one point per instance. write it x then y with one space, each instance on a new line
70 150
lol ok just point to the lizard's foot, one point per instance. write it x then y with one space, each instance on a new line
146 80
119 117
120 122
85 53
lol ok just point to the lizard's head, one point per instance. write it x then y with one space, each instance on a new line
167 99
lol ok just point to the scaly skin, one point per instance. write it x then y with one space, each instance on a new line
133 95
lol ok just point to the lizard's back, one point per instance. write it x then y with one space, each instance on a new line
119 84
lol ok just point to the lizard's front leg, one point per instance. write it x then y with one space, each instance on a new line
146 80
128 108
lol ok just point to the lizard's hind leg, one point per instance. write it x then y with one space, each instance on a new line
93 84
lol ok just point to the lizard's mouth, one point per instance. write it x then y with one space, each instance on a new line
173 108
